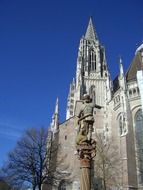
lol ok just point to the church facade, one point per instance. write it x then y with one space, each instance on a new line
119 122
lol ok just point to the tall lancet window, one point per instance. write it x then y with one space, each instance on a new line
92 60
92 93
139 142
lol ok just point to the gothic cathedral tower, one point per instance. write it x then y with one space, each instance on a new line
92 76
121 118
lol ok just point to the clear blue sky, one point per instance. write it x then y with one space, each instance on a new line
38 51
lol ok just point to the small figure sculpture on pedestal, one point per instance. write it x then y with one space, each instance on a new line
85 145
86 120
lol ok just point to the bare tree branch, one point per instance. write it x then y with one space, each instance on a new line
107 163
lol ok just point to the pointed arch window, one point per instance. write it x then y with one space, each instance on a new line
139 121
139 142
139 128
92 60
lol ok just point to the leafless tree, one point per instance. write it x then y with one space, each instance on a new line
28 160
107 164
32 162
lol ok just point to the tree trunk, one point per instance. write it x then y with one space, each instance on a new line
34 187
104 184
104 176
40 186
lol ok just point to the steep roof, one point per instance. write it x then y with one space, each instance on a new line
135 66
90 32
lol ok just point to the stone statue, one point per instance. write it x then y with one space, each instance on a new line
86 120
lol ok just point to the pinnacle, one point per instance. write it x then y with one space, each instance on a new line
57 106
90 32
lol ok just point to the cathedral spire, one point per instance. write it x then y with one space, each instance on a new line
90 32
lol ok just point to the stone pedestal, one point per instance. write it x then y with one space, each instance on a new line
86 151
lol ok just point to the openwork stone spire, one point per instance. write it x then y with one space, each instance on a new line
90 32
